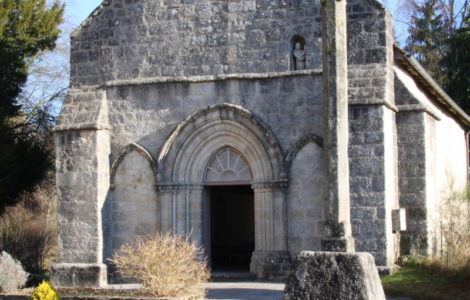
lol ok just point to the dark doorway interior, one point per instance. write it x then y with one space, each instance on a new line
232 227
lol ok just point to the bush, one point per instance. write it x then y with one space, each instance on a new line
454 226
12 275
45 291
167 265
27 230
452 257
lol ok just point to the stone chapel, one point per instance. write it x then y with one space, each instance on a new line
207 118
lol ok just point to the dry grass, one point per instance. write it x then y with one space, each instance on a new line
167 265
453 228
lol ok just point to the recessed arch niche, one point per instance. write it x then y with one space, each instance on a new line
306 193
132 204
298 55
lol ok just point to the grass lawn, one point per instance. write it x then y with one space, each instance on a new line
421 285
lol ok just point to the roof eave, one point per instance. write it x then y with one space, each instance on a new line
430 86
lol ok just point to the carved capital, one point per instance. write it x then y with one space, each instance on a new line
270 185
178 187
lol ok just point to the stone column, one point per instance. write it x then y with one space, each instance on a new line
195 221
335 94
270 260
165 197
181 209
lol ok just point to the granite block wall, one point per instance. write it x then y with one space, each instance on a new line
147 114
372 181
142 39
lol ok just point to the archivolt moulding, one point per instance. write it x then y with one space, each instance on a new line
311 138
124 152
196 140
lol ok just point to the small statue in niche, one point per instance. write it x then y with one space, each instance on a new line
300 56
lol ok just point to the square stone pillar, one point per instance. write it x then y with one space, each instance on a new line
82 144
83 184
335 94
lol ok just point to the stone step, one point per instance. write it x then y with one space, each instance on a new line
232 275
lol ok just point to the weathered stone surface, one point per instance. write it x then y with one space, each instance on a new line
306 194
271 265
79 275
371 152
330 275
131 212
184 38
335 100
12 275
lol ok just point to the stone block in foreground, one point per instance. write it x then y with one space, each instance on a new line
334 275
79 275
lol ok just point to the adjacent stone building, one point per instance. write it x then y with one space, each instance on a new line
206 117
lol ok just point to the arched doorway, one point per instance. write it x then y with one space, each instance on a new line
184 179
228 212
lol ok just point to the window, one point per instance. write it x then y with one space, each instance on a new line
228 165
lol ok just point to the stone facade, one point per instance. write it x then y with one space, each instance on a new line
159 88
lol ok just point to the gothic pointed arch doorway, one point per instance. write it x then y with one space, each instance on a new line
184 178
228 211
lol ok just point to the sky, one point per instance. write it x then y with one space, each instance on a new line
79 10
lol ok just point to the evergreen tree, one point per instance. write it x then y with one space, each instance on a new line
27 27
457 64
439 36
428 34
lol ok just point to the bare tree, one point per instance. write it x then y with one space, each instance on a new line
454 11
47 85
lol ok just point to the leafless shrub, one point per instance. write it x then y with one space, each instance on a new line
166 264
28 230
454 226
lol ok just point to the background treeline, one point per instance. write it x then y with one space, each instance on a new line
439 38
28 30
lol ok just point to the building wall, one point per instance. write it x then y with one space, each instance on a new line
154 64
450 173
142 39
129 39
373 185
432 156
451 154
147 114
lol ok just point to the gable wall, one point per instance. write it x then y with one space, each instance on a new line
142 39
